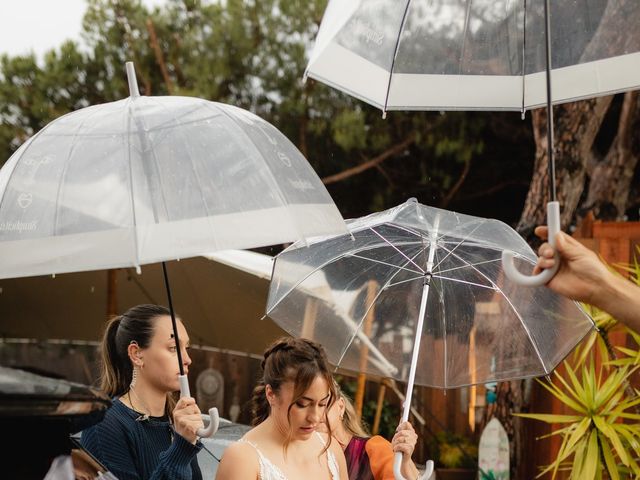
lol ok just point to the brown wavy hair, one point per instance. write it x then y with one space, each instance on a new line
294 360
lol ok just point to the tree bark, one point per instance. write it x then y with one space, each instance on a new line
610 178
576 126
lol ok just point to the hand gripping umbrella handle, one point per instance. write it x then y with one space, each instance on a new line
214 418
508 265
397 462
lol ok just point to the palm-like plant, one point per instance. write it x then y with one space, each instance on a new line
602 437
595 438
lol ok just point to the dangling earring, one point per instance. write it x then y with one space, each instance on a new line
134 376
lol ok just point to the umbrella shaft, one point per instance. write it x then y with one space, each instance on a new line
416 349
174 324
550 139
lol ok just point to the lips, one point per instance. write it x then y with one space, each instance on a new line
309 429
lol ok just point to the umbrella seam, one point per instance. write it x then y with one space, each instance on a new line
127 141
65 168
30 140
157 168
191 160
395 53
281 194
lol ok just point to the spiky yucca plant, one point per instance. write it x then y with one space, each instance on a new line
602 438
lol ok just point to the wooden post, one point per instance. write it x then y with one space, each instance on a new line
372 288
376 421
309 320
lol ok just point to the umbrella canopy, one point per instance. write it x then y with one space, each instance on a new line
476 54
150 179
472 326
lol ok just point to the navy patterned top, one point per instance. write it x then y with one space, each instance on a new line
133 447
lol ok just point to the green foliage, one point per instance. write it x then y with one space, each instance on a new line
603 435
253 54
390 414
452 450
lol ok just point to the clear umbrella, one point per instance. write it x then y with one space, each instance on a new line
419 294
476 54
480 55
151 179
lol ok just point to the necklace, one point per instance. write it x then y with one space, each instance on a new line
145 416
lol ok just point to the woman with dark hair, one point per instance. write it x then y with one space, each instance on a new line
289 404
145 434
370 457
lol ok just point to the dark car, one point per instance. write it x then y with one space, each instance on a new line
38 415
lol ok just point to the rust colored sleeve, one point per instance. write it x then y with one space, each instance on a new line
380 455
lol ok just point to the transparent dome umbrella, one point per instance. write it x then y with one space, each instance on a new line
152 179
419 294
480 55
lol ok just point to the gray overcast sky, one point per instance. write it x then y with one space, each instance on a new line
39 25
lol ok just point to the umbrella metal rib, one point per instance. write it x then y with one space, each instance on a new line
479 223
457 280
515 311
396 249
447 270
373 302
373 260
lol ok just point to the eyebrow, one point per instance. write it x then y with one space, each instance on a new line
312 400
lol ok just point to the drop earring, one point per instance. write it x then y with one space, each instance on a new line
134 376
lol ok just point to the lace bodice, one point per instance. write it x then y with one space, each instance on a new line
269 471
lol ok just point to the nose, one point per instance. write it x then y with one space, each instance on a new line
186 359
316 414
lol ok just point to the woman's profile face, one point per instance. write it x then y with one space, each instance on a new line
307 412
160 359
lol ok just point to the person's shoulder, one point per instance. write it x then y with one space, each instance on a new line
116 417
376 445
239 461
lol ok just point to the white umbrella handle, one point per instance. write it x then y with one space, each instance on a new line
214 418
508 265
397 462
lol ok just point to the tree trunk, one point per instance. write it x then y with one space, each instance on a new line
576 125
610 178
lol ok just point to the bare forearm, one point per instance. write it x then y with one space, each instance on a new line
621 299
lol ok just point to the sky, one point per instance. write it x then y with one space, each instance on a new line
40 25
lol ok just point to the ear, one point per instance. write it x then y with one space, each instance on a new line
135 353
270 394
341 406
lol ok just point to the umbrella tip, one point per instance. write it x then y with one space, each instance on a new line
131 78
384 114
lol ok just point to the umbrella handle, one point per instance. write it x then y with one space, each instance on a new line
544 277
397 461
214 418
